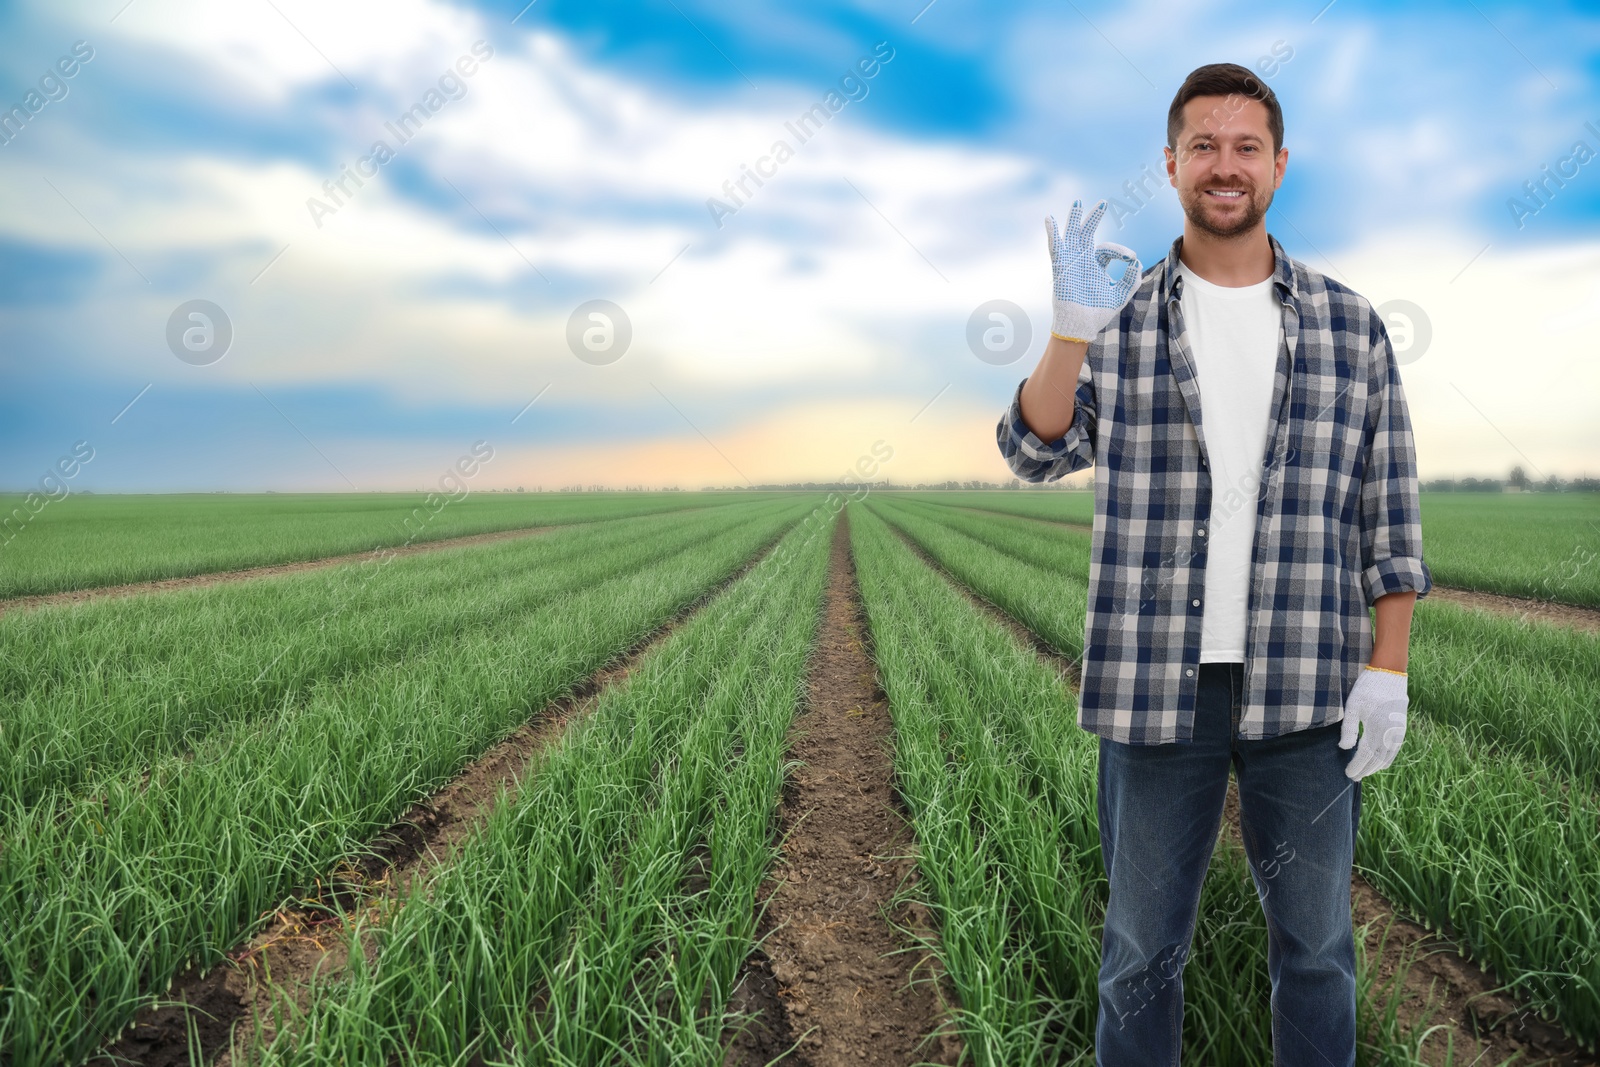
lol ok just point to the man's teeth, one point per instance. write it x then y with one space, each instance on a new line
1234 194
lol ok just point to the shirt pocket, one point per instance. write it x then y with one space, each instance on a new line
1331 402
1315 456
1322 479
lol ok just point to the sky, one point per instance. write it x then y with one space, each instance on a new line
188 293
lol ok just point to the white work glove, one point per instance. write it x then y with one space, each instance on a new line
1377 704
1085 296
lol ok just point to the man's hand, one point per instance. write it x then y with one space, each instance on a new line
1085 296
1377 705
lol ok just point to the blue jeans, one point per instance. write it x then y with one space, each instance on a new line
1160 808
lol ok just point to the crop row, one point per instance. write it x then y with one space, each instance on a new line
1038 575
1487 826
1540 545
1002 785
81 541
1464 535
1524 687
96 688
1050 505
601 917
107 895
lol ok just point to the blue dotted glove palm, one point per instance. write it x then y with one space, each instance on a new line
1085 296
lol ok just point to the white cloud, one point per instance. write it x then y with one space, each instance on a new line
1509 372
600 179
599 182
270 50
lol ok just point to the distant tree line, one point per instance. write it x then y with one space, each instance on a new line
1517 482
857 487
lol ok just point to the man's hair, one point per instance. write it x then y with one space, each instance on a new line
1229 80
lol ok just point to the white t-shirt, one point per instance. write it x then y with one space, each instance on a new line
1234 334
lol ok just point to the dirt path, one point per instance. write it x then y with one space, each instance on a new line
1585 619
74 596
1491 1025
1520 607
309 940
834 975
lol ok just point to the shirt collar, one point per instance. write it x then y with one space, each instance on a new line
1283 274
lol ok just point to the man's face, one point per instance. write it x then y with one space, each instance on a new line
1225 147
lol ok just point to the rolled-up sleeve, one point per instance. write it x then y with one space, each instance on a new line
1035 460
1391 511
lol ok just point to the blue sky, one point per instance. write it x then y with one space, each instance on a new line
375 339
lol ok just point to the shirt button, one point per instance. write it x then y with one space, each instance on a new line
1201 531
1189 673
1196 603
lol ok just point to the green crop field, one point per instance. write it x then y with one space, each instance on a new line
1544 545
1490 828
156 840
179 766
620 889
1056 505
86 541
490 575
1540 545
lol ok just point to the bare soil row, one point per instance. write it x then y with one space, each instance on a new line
836 978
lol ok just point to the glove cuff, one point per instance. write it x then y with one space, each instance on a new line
1075 323
1380 684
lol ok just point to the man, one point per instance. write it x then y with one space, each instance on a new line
1255 493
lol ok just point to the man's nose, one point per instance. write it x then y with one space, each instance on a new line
1224 175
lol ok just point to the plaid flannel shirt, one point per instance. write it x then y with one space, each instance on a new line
1337 517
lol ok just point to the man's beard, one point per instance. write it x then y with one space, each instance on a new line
1242 221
